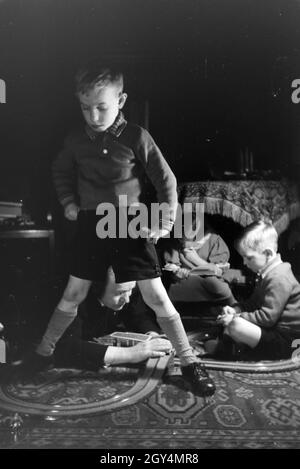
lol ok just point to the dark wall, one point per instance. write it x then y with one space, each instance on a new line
216 74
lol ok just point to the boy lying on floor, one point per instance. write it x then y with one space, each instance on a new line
76 351
267 323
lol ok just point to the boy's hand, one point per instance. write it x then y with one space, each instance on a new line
180 272
225 319
154 348
228 310
71 212
170 267
224 266
155 233
218 271
228 313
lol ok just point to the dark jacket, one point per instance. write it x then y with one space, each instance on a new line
76 348
94 168
275 300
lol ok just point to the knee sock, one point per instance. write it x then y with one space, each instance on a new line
57 325
174 330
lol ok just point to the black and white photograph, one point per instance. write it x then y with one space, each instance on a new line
149 227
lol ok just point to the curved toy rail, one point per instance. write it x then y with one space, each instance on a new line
145 384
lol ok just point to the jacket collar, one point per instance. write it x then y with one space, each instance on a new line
271 265
115 129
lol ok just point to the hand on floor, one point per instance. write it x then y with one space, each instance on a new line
154 348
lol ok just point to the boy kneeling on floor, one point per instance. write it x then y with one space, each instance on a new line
266 324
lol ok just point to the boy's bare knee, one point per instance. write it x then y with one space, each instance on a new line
76 296
233 328
154 300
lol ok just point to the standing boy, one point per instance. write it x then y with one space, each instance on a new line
101 164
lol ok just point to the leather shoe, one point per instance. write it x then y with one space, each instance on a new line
30 365
6 373
197 375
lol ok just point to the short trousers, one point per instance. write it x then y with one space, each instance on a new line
131 259
274 344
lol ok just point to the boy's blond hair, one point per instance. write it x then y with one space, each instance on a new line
258 236
98 75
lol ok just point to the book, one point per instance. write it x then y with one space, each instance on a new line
123 339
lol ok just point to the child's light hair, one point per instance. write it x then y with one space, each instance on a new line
258 236
98 75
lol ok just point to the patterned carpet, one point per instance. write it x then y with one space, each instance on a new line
70 392
147 409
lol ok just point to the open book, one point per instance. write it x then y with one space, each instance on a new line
204 270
